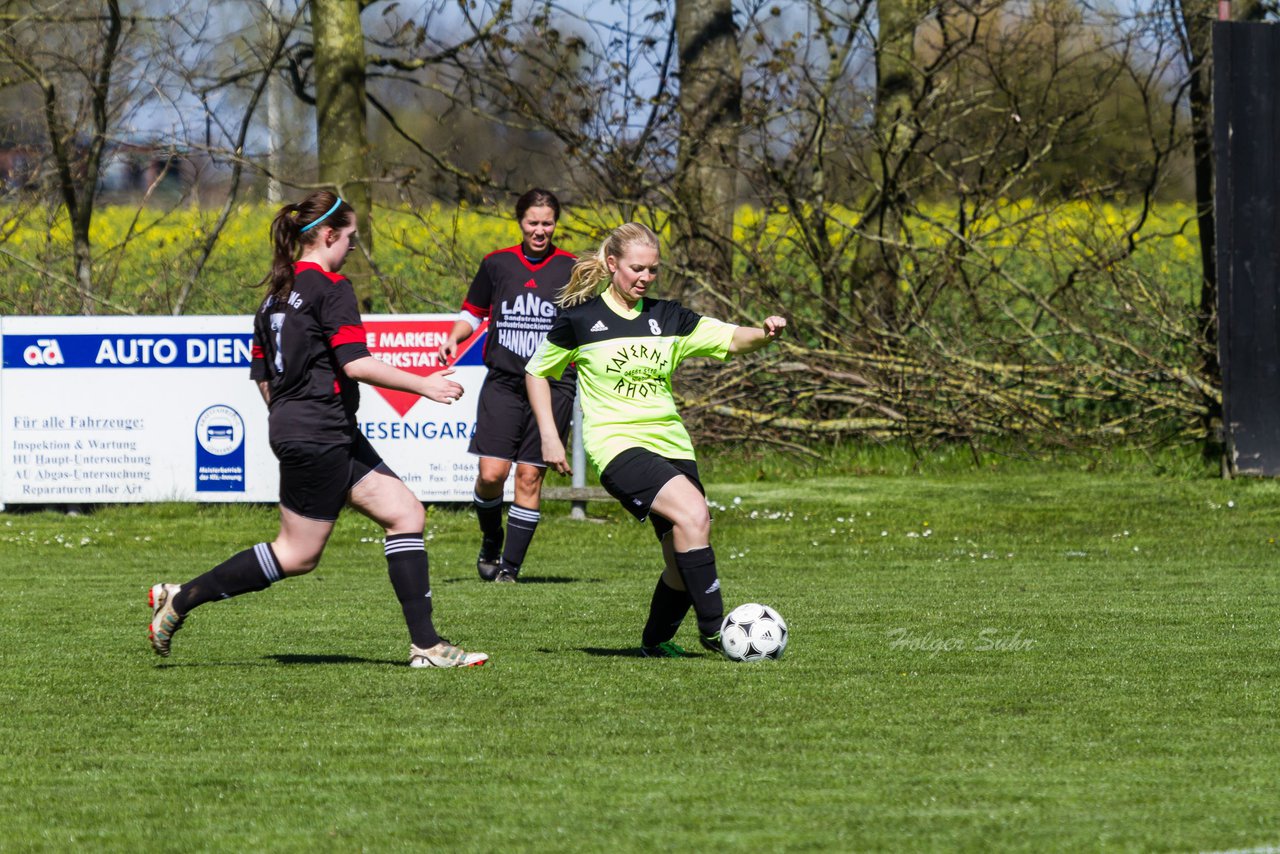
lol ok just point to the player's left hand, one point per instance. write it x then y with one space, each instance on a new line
773 326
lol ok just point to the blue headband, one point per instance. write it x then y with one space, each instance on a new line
322 218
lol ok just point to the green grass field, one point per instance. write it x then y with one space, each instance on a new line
1041 659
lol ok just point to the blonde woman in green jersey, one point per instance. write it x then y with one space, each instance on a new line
626 345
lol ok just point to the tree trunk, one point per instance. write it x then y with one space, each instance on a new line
1197 23
710 107
341 126
879 261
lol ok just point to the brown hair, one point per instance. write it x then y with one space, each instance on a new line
592 271
537 198
298 225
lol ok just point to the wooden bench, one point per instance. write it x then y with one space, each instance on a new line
574 493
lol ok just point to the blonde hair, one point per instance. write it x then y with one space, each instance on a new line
592 271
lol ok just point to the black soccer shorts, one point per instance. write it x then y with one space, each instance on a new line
635 477
315 479
506 428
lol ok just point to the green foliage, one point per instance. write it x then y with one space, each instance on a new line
425 258
1067 324
1039 660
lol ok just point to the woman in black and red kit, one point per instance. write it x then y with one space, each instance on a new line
516 288
309 356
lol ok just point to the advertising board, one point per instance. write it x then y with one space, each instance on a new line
125 409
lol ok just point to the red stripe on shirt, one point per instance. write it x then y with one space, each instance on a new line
518 251
481 313
256 352
348 335
299 266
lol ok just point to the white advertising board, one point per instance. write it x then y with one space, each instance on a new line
125 409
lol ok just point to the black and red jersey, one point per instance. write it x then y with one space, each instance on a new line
519 298
300 343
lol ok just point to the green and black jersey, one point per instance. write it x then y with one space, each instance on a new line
625 359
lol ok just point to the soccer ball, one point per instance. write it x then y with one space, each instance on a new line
753 632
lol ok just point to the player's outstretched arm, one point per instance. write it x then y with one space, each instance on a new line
748 339
437 386
540 402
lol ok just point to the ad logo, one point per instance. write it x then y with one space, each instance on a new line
44 352
413 346
219 450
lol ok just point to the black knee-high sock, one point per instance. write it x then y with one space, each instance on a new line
489 514
666 612
250 570
521 523
698 569
407 566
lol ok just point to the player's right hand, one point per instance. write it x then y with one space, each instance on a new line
448 350
553 455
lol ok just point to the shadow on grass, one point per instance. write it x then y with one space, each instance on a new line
287 659
533 579
623 652
330 659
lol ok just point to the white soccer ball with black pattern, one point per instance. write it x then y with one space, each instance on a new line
753 632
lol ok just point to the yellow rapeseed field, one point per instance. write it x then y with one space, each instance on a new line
424 258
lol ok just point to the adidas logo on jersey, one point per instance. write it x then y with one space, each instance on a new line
531 284
599 327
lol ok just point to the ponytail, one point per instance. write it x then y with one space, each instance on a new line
589 273
285 232
295 226
592 271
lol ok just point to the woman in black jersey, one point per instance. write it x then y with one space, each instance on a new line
309 356
517 289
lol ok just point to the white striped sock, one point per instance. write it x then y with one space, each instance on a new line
267 561
523 514
395 545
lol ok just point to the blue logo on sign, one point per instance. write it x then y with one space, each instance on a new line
220 450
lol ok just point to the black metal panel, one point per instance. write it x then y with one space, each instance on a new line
1246 100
